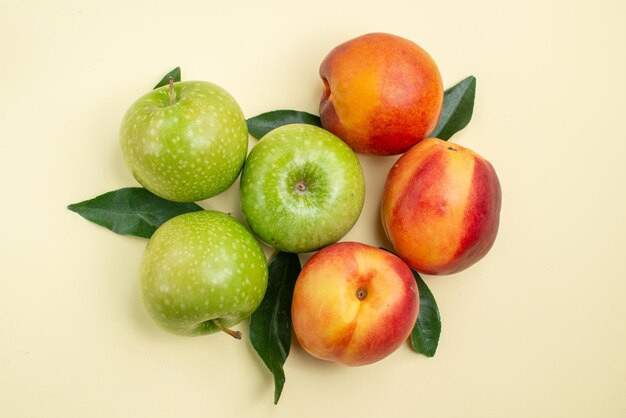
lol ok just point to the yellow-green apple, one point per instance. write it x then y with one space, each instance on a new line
301 188
441 207
185 142
354 304
382 93
202 272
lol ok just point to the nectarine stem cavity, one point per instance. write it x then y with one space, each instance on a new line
361 293
171 80
326 93
232 333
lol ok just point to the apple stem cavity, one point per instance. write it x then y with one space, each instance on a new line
361 293
171 82
300 187
232 333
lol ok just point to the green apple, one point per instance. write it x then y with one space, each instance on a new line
302 188
202 271
185 142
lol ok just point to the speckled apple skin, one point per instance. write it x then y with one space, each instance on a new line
201 266
441 207
188 151
332 323
382 93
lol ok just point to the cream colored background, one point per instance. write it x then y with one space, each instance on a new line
536 329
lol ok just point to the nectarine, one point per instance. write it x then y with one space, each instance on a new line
441 207
382 93
354 304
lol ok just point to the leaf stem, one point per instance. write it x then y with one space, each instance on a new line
232 333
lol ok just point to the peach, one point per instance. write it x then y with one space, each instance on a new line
382 93
441 207
354 304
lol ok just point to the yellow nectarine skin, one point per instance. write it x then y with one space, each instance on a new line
441 207
354 304
382 93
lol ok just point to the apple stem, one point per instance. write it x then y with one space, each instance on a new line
232 333
171 80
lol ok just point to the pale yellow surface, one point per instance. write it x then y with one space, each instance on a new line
536 329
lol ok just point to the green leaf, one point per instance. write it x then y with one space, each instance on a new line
270 324
175 73
427 328
259 125
458 106
131 211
